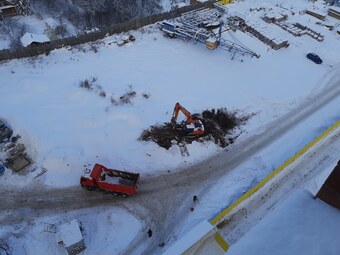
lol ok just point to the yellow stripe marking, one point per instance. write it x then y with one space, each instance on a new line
274 173
219 239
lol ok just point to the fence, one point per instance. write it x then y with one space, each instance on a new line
96 35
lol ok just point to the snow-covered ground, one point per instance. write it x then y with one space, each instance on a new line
299 225
100 229
66 127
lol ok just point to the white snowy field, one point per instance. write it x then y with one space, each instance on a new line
100 228
66 127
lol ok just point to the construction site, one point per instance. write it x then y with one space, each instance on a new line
207 25
210 128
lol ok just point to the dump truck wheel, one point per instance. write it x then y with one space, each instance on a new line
114 193
124 195
89 188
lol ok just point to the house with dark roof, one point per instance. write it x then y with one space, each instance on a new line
31 40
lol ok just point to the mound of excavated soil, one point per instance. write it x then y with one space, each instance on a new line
217 124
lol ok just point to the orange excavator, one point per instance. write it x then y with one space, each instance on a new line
190 126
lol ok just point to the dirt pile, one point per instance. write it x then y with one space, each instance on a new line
218 124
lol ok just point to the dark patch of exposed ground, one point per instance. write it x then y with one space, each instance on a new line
218 124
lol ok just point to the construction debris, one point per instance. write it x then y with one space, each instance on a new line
17 158
43 170
15 155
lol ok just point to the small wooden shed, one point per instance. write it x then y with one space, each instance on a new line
69 235
31 40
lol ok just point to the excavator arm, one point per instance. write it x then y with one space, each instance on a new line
191 126
175 113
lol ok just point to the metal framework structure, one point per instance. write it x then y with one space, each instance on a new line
201 16
199 25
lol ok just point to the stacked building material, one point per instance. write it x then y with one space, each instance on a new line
310 32
262 32
273 17
298 30
291 28
317 14
334 12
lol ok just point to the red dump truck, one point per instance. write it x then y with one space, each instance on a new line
114 181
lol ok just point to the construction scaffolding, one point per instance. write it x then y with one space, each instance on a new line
205 26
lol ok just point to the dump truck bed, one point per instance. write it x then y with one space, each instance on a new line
115 180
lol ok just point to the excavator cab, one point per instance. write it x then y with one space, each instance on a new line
195 128
190 126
